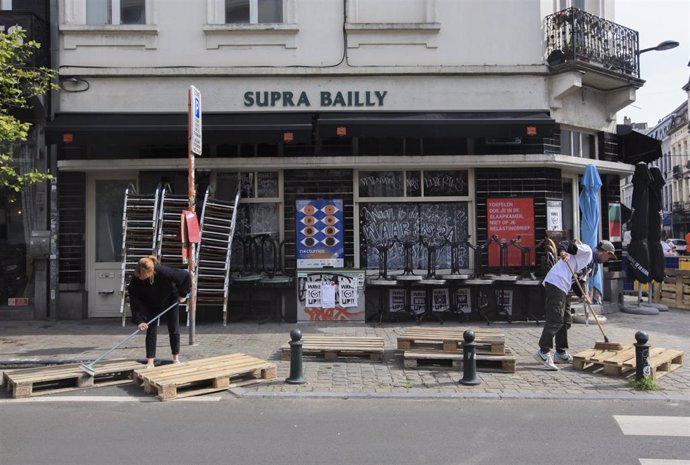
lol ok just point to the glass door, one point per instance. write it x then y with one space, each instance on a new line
105 203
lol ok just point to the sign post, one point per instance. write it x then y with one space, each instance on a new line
194 147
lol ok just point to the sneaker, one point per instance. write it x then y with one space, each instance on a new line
562 358
545 359
150 365
175 362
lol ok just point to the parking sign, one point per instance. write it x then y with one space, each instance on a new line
195 118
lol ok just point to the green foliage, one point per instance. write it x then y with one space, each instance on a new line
645 384
19 82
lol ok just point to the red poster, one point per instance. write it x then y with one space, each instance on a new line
508 219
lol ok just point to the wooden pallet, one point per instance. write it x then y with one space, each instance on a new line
28 382
450 340
332 347
203 376
485 362
674 291
623 363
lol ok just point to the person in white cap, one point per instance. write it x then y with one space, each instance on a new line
557 284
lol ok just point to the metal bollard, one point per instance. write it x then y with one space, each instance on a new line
642 367
296 367
469 360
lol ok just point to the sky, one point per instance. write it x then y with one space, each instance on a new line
665 72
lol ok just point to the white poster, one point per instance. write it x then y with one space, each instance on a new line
313 289
396 300
440 300
348 293
418 301
463 301
327 294
554 215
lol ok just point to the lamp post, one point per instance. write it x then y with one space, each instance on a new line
665 45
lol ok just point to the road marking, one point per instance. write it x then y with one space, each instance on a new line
653 425
105 399
663 462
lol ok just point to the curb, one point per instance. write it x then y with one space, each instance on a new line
421 395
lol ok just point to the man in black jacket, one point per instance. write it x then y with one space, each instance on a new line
154 288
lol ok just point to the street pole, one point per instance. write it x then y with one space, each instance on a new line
191 303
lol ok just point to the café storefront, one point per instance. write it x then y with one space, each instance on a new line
435 191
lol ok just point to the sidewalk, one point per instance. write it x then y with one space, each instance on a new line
85 340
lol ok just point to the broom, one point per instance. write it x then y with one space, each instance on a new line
606 345
89 368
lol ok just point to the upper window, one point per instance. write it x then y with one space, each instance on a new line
435 183
253 11
101 12
5 4
578 144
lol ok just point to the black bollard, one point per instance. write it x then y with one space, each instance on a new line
642 367
469 360
296 367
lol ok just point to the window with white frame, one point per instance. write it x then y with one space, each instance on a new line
254 11
578 144
103 12
5 4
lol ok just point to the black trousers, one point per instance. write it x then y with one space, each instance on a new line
173 319
558 319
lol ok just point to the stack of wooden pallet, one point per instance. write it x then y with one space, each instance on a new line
443 347
204 376
332 347
623 363
29 382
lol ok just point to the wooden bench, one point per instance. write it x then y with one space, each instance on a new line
203 376
332 347
28 382
451 340
485 362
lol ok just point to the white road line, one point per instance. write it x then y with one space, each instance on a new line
663 462
653 425
106 399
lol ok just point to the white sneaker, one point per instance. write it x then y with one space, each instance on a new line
562 358
546 360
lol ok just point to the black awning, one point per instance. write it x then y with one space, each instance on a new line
439 125
635 147
218 128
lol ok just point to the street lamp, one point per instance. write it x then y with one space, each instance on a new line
665 45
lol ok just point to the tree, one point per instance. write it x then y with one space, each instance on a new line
19 82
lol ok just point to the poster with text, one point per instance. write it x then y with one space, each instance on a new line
509 218
396 300
319 228
463 300
440 300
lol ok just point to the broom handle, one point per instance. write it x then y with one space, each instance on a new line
596 318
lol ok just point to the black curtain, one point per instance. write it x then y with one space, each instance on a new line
638 250
656 213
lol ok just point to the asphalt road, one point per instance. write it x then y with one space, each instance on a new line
226 430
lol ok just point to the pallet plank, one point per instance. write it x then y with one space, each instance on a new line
332 347
623 363
450 340
485 362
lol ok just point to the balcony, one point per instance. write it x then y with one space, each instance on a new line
35 29
575 37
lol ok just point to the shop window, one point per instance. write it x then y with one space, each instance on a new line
433 183
267 185
102 12
433 222
380 183
253 11
452 146
14 272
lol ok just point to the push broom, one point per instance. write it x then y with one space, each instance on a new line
606 345
89 368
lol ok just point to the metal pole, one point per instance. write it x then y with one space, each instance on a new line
191 303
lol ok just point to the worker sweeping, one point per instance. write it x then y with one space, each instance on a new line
575 259
153 288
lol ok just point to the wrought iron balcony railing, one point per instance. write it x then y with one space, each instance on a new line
575 35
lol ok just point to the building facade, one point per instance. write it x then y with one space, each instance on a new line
421 116
677 140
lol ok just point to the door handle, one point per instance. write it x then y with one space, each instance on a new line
106 292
